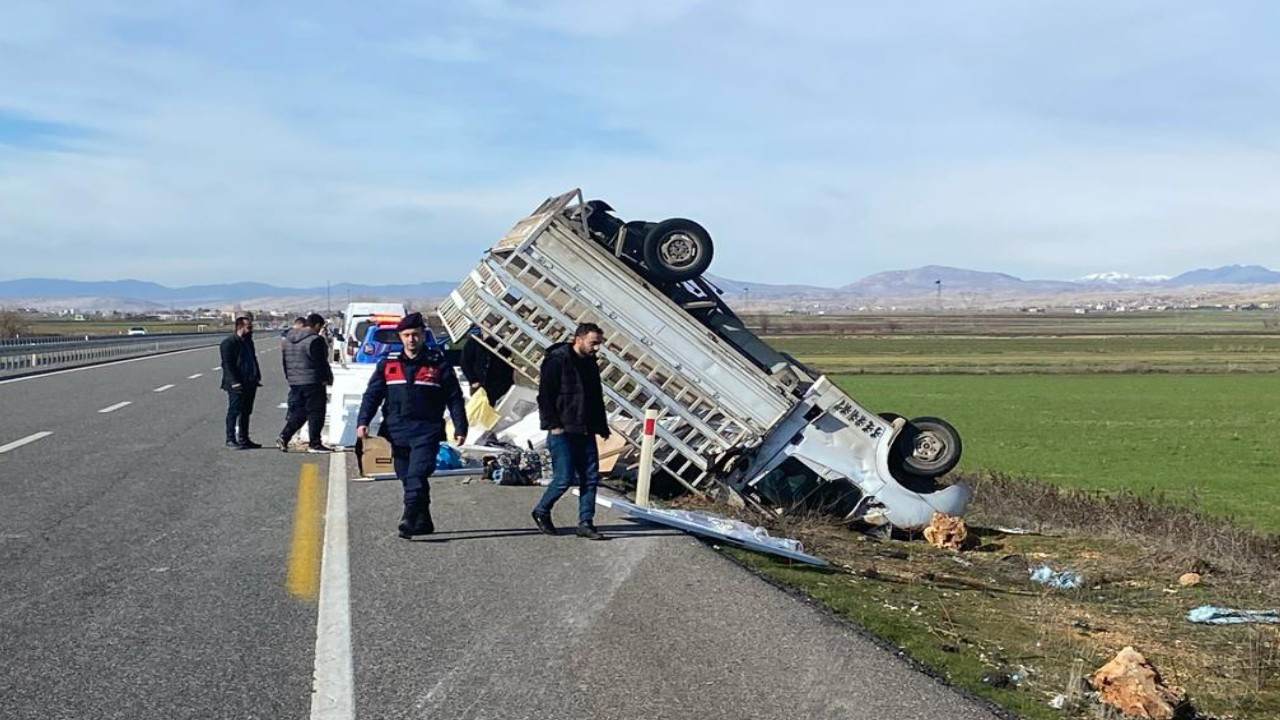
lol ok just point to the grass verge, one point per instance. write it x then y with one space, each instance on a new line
976 619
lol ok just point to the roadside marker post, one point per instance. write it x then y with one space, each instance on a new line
646 458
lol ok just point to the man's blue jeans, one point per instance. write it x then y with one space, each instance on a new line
573 458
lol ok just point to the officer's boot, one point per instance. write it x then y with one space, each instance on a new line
408 521
424 524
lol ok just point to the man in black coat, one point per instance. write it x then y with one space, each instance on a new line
484 369
413 388
306 369
571 409
241 377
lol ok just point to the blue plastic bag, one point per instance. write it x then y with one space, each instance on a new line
448 458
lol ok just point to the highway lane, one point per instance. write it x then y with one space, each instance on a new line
143 563
489 619
144 574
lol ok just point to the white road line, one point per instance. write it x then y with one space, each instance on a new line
45 433
193 377
333 691
216 369
117 406
162 388
95 367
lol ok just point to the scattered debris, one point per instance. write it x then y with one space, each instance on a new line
947 532
1081 625
448 458
1058 702
1131 685
1189 579
515 467
1213 615
891 553
1013 530
716 526
1060 580
1003 678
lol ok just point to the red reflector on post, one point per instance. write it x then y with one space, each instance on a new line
649 426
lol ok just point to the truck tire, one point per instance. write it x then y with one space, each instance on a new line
929 447
677 250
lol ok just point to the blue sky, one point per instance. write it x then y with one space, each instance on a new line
194 142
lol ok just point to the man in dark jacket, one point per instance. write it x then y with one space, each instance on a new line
413 388
241 377
571 408
484 369
306 368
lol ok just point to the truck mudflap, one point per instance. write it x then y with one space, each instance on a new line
838 439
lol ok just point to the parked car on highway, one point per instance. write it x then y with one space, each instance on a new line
137 330
378 342
382 340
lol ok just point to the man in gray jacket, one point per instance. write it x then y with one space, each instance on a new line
306 369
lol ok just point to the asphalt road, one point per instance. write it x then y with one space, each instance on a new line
144 573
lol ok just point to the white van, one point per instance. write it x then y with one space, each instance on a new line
356 319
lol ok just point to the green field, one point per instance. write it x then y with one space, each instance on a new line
1106 353
1207 437
1216 322
1184 405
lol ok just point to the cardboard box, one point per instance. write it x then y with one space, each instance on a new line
373 457
609 450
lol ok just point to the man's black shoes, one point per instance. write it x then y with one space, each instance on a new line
248 444
544 523
282 444
235 445
589 531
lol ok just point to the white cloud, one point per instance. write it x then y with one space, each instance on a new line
818 141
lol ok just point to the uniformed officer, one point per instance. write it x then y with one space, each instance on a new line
413 388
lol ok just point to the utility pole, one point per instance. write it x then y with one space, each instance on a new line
938 284
328 303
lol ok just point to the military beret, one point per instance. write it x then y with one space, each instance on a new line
412 320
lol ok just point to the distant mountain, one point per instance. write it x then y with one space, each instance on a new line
1227 275
934 277
49 287
764 291
148 293
917 287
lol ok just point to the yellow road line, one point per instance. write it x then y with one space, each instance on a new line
308 535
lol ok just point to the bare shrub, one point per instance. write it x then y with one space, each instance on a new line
13 323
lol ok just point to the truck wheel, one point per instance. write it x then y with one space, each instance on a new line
677 250
929 447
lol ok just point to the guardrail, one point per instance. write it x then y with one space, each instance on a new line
19 342
42 357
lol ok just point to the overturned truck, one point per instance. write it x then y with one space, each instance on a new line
737 414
